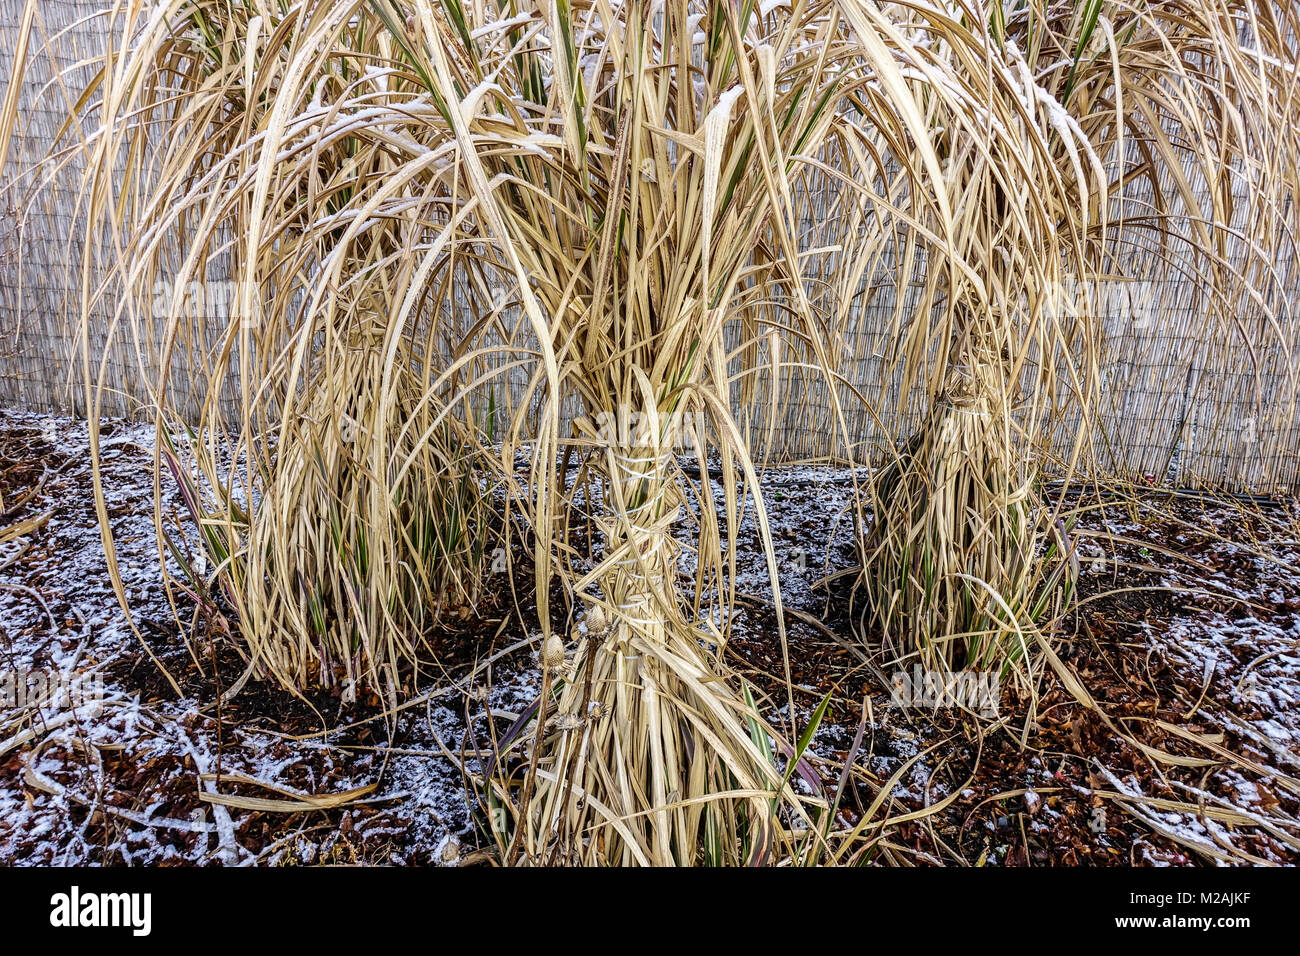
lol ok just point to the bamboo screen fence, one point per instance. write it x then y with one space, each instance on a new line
1199 395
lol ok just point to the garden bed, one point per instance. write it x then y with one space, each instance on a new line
1196 660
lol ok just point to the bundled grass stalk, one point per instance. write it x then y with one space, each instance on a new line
647 757
663 214
1119 111
961 511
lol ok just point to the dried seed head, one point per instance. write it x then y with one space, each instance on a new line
568 722
553 652
449 850
596 620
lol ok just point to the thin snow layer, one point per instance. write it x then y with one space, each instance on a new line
1250 646
1237 637
120 775
103 771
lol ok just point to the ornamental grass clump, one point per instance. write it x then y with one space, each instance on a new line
267 269
464 238
1148 139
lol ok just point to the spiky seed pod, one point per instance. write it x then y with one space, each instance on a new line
596 620
553 652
